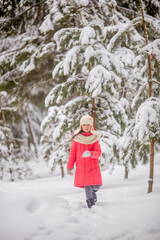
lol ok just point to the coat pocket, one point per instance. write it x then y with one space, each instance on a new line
87 165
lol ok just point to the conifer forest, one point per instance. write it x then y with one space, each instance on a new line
61 59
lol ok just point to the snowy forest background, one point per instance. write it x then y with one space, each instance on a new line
61 59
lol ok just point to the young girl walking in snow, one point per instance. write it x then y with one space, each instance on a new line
85 151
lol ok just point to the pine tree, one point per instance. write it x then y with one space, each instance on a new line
13 152
130 8
26 62
90 69
145 126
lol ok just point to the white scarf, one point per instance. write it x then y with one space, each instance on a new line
80 138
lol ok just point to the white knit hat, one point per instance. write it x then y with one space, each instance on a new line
86 119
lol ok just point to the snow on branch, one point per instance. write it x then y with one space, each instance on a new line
52 112
143 128
98 26
64 67
64 90
10 109
124 28
47 25
3 94
153 48
110 29
154 23
61 119
139 93
154 81
89 52
86 36
57 70
58 131
76 101
71 59
147 122
65 37
21 14
82 2
98 76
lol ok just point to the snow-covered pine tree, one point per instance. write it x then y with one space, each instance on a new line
13 151
145 126
130 8
26 62
91 67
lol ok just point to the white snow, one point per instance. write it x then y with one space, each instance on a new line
87 35
89 52
82 2
47 25
122 28
71 59
51 208
153 48
3 94
98 76
147 119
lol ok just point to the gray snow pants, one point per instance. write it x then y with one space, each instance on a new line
90 189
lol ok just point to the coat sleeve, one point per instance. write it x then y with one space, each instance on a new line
72 156
96 150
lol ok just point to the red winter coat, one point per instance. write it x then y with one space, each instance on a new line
87 169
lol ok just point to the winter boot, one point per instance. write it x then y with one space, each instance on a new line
94 196
90 202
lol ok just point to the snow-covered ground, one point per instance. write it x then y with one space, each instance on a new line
52 209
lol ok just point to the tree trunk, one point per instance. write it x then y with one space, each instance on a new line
150 182
126 171
93 112
4 124
151 173
31 134
124 96
124 88
62 169
93 104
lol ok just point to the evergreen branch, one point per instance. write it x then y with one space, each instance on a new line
127 10
10 52
41 82
126 88
150 17
134 12
21 14
130 89
136 20
154 56
8 109
18 140
126 27
156 82
79 78
140 91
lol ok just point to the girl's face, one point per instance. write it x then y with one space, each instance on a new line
86 127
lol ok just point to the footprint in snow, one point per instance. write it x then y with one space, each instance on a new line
78 206
73 219
32 206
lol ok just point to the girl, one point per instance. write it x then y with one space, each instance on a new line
85 151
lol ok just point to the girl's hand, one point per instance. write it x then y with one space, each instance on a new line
87 154
69 172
